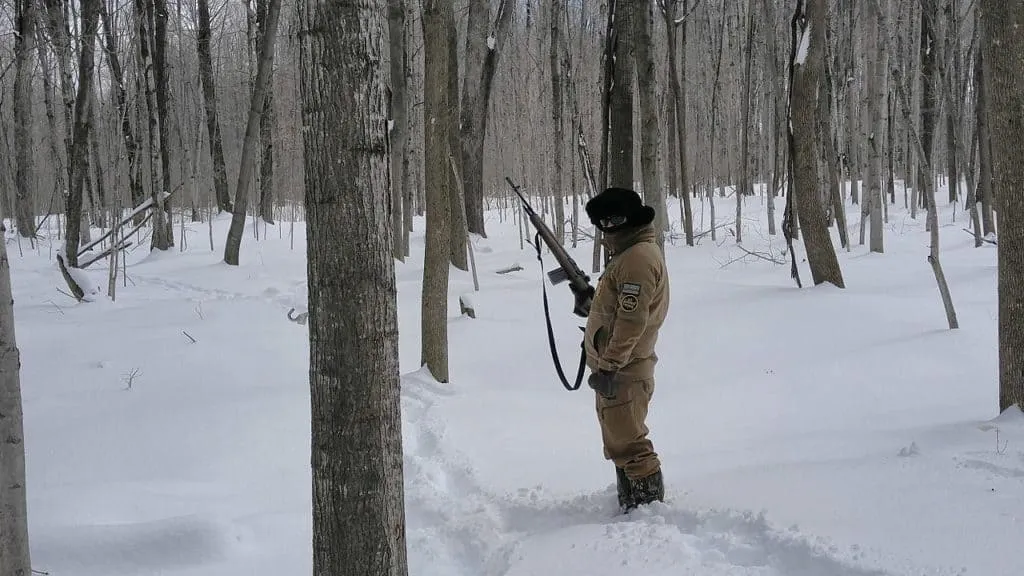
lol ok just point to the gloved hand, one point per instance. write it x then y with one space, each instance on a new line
604 383
583 300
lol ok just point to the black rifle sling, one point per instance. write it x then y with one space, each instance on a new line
551 332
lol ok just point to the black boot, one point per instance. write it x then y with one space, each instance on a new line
648 489
625 489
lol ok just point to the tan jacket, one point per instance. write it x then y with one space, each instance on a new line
629 307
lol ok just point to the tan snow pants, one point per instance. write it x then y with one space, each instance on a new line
624 429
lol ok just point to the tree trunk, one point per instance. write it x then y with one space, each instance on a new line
458 229
358 506
437 124
1003 46
808 44
266 125
985 160
746 185
160 241
163 93
399 136
15 559
929 119
24 179
130 143
266 63
220 174
779 112
557 124
483 48
650 133
80 144
875 70
620 146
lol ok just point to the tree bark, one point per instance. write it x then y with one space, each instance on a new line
1003 46
358 506
985 160
15 559
808 38
266 124
620 146
875 71
266 63
80 144
929 119
746 184
437 124
220 174
650 133
24 178
481 57
160 240
163 93
399 136
557 124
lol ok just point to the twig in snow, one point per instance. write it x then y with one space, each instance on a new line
59 309
189 336
130 377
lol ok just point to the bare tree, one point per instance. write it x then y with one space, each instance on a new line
80 145
650 132
256 108
399 137
437 124
15 559
484 42
266 122
1003 45
876 67
358 507
677 70
24 179
807 54
220 176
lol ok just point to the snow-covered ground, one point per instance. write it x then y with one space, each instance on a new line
811 432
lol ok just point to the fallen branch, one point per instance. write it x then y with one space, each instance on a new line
510 269
983 238
123 245
124 221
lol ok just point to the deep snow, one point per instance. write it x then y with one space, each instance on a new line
811 432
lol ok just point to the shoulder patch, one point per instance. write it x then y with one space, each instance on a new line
630 289
628 302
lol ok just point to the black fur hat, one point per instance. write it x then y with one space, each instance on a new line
619 202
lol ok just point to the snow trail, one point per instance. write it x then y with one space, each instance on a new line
529 533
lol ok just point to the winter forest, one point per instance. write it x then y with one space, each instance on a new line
270 297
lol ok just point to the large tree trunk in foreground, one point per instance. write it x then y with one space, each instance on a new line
256 108
358 507
808 46
436 112
1004 57
14 550
266 124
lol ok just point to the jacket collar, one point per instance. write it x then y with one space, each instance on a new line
619 242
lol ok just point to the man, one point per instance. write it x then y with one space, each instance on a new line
629 307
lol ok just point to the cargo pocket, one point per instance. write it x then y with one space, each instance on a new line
619 426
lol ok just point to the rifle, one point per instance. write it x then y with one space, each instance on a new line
568 270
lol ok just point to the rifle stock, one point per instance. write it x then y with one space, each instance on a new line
568 270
